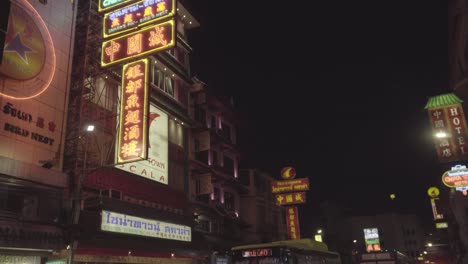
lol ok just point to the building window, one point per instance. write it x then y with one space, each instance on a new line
229 201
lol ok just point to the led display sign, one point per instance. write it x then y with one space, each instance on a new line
127 224
133 126
301 184
260 252
137 14
110 4
155 38
290 198
371 237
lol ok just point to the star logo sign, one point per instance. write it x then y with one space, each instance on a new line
17 46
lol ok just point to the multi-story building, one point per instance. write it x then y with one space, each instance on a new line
266 220
34 70
215 190
130 211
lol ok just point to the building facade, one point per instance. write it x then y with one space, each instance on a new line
132 211
267 221
35 70
215 189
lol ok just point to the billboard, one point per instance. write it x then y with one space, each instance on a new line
371 237
136 15
127 224
145 41
133 124
34 87
156 166
457 178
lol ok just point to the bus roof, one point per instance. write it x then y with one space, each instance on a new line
303 244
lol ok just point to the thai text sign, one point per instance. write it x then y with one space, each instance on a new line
290 198
155 38
449 121
301 184
137 14
457 178
133 125
127 224
109 4
292 223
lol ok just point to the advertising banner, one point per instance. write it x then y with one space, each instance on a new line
371 237
127 224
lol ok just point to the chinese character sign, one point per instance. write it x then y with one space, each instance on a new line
449 126
155 38
290 198
137 14
292 223
133 126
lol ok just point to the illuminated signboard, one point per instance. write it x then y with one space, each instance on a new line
292 222
155 38
371 237
109 4
7 259
127 224
137 14
290 198
301 184
133 126
261 252
449 127
156 167
288 173
457 178
441 225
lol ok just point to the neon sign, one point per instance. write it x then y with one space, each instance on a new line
155 38
137 14
457 178
301 184
290 198
292 223
109 4
133 125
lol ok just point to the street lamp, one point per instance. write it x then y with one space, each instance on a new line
319 231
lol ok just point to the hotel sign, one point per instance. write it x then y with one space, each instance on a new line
127 224
301 184
292 222
137 14
133 125
109 4
155 38
449 127
290 198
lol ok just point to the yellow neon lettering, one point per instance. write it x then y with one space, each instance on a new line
128 18
148 11
132 117
133 72
132 102
115 22
157 37
161 7
134 45
112 49
133 86
132 132
130 149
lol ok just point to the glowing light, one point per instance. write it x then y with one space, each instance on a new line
112 49
425 252
90 128
355 241
47 79
441 135
392 196
134 44
429 244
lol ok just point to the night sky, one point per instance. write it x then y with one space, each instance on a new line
336 89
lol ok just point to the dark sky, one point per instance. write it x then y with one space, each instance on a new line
334 88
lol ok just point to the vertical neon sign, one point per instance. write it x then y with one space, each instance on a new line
133 126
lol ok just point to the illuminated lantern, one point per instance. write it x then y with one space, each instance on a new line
288 173
448 126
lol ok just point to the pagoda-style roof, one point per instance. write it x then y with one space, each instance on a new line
443 100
